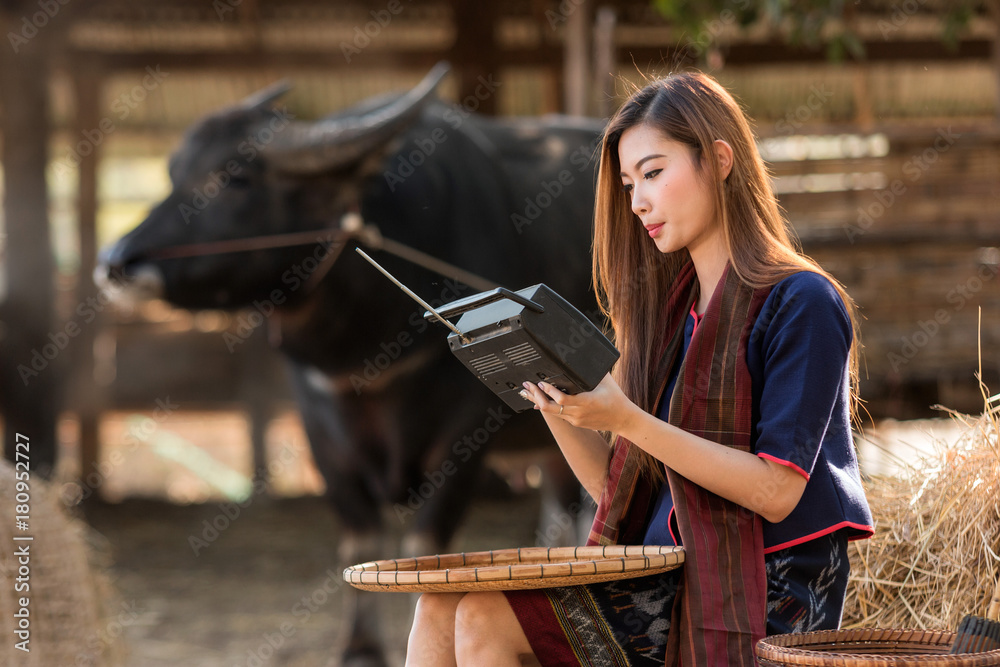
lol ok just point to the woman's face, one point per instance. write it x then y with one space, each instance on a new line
668 193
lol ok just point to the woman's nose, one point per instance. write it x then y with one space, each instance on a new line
639 203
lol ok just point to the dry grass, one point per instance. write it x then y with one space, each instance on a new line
935 556
75 617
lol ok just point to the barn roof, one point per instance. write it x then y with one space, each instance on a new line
338 53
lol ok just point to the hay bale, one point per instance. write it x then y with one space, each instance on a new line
75 618
934 557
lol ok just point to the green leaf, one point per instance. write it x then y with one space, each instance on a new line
807 21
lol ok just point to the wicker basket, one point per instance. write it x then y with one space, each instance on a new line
868 647
513 569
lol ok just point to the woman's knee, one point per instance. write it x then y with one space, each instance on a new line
486 619
438 606
432 635
475 610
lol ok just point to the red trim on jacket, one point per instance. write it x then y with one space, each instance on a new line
867 531
789 464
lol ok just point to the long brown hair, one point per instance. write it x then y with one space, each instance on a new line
633 278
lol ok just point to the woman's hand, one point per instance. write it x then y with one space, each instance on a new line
604 408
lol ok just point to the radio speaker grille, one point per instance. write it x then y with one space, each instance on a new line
488 364
522 354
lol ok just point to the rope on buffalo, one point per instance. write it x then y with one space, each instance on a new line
351 225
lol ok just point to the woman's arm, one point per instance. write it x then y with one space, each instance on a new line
762 486
585 450
770 489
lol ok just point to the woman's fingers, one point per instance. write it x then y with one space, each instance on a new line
533 394
596 409
552 392
545 397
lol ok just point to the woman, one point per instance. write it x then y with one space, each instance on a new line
730 406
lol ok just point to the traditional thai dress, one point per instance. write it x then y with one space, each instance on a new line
764 371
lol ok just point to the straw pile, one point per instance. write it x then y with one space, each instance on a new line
75 617
936 553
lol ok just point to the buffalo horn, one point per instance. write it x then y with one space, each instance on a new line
343 139
263 97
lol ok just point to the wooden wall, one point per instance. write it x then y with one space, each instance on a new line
920 255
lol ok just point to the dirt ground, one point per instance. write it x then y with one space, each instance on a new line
200 586
267 591
261 589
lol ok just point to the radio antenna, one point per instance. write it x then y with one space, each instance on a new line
413 296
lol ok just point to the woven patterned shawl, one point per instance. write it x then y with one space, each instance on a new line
720 613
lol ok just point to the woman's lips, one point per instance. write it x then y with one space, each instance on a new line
653 229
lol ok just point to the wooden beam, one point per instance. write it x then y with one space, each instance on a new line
85 397
816 239
34 347
605 65
993 6
576 60
542 56
474 54
875 51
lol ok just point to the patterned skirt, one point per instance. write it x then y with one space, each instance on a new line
625 623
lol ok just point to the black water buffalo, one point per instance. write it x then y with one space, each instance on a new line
392 418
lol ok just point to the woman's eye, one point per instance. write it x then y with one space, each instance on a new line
627 188
651 174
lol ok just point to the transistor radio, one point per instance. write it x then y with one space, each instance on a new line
506 338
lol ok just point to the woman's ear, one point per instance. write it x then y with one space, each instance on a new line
724 154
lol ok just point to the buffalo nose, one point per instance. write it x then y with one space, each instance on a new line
110 262
111 256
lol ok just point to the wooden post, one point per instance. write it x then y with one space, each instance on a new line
864 114
605 60
576 60
257 395
33 357
249 17
474 55
86 395
993 6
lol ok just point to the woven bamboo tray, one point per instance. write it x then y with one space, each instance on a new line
868 647
513 569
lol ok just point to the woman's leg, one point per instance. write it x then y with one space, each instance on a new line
487 633
432 636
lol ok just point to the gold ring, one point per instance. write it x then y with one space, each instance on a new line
561 408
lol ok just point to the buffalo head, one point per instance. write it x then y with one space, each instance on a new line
252 171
